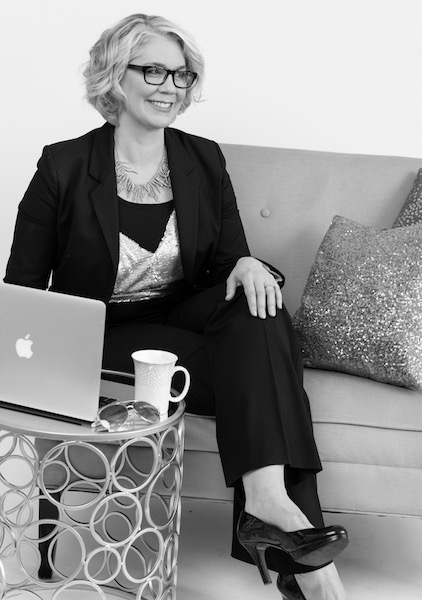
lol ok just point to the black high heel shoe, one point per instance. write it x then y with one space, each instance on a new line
289 588
311 547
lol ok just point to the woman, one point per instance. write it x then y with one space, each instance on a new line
143 217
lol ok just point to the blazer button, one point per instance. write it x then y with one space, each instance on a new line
265 212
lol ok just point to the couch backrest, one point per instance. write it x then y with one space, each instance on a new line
287 199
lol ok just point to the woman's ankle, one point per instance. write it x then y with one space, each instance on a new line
267 499
286 516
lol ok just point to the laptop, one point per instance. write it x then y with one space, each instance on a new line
51 348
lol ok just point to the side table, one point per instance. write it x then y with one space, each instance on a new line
115 500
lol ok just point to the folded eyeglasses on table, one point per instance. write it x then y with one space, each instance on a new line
116 415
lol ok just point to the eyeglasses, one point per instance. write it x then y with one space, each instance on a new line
158 75
113 416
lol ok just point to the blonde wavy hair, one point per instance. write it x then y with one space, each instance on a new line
118 45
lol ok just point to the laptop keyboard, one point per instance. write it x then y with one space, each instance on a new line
105 400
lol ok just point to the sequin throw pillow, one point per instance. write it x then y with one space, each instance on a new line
361 310
412 208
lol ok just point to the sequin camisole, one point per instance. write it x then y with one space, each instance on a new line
149 259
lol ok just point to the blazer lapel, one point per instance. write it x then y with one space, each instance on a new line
185 185
104 195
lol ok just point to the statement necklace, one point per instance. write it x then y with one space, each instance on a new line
137 192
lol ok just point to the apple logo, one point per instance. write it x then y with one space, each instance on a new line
23 347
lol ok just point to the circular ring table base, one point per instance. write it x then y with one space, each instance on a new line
87 511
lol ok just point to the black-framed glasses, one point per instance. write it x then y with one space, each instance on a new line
158 75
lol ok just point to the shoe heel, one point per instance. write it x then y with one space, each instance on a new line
257 553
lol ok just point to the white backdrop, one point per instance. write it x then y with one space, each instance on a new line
338 75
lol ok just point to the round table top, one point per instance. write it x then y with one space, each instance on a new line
29 424
46 427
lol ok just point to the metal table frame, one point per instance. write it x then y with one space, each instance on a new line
121 524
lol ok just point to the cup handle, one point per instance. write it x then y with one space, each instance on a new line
186 386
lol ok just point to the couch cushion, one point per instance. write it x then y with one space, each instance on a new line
370 489
360 309
411 212
342 398
200 433
361 421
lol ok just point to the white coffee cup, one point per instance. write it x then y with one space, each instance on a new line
154 370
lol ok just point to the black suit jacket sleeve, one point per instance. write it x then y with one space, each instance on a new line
34 243
68 223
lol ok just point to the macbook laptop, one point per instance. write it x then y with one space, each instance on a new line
51 349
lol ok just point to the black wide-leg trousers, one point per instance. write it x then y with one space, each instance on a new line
247 372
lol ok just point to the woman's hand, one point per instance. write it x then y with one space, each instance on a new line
261 289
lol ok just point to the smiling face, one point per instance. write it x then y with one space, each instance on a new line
152 107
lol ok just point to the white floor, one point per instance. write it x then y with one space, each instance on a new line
382 562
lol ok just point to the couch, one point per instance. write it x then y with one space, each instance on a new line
369 434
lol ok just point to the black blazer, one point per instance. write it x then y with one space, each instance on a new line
68 220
